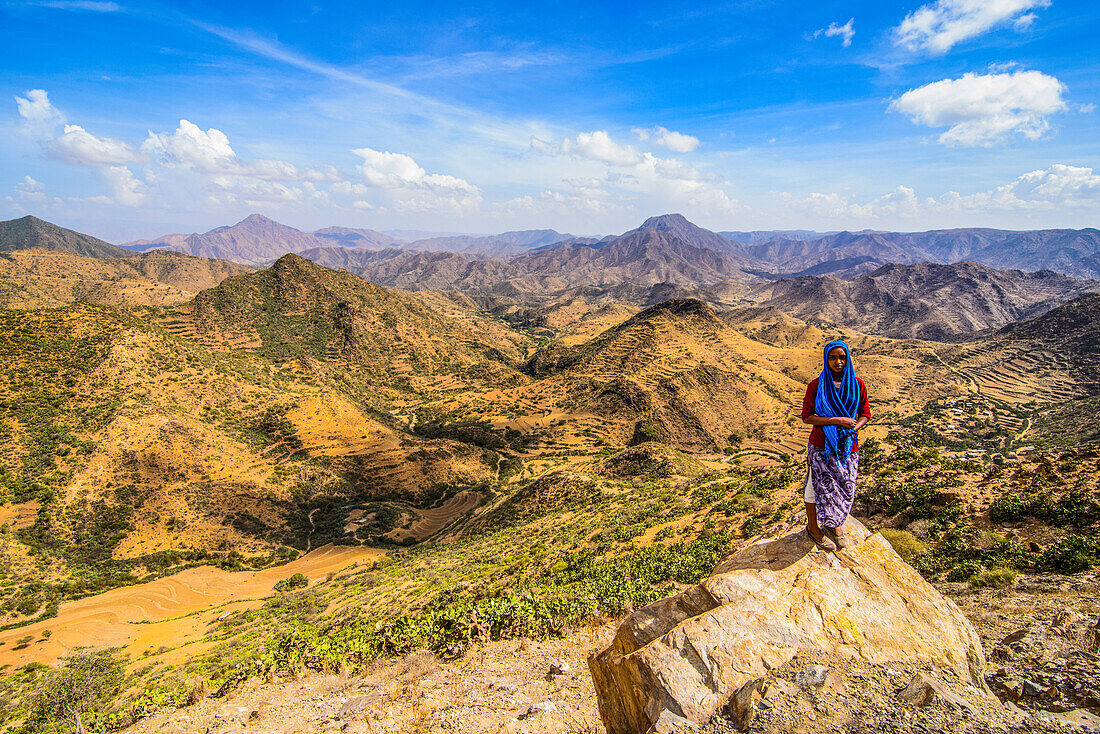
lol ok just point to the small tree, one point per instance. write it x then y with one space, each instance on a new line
87 682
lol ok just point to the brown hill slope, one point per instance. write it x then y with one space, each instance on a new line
297 309
678 373
28 231
128 451
415 271
366 239
39 278
497 245
663 250
1051 358
1074 252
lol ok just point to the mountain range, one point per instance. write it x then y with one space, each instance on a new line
257 240
667 249
925 300
667 257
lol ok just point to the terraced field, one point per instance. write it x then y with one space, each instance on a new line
428 521
1017 373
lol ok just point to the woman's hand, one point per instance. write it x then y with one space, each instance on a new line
844 422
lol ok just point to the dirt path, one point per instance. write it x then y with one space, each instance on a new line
970 380
309 538
172 612
1024 430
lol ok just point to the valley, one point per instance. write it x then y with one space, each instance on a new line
239 472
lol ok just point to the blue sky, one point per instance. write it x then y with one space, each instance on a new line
131 119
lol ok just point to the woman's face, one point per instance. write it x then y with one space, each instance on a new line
838 358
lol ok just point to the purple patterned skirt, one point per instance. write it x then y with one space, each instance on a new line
834 486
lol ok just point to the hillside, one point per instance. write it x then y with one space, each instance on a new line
1073 328
296 309
415 271
663 250
640 256
534 504
677 373
1070 331
30 232
459 476
127 453
38 278
926 301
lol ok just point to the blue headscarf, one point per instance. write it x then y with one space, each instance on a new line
834 402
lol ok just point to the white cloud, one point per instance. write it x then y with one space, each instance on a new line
388 170
77 145
834 30
984 109
209 151
938 26
414 189
36 106
674 141
30 190
125 189
192 147
596 146
1024 22
1058 188
29 195
657 181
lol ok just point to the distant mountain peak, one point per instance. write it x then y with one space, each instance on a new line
258 219
680 226
666 221
258 222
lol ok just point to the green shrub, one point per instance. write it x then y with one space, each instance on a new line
964 571
1073 554
905 543
1072 508
85 685
297 581
997 578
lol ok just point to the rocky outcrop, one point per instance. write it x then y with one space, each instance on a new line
691 653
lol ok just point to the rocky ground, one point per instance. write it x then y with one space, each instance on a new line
1040 636
512 686
1041 639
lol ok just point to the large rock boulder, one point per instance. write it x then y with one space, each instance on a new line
690 653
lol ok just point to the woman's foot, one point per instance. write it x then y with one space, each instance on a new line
820 540
838 536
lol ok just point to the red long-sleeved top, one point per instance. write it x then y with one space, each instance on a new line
817 438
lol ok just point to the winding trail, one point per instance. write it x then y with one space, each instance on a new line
309 538
1025 429
974 386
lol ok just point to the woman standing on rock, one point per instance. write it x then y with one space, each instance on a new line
836 406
